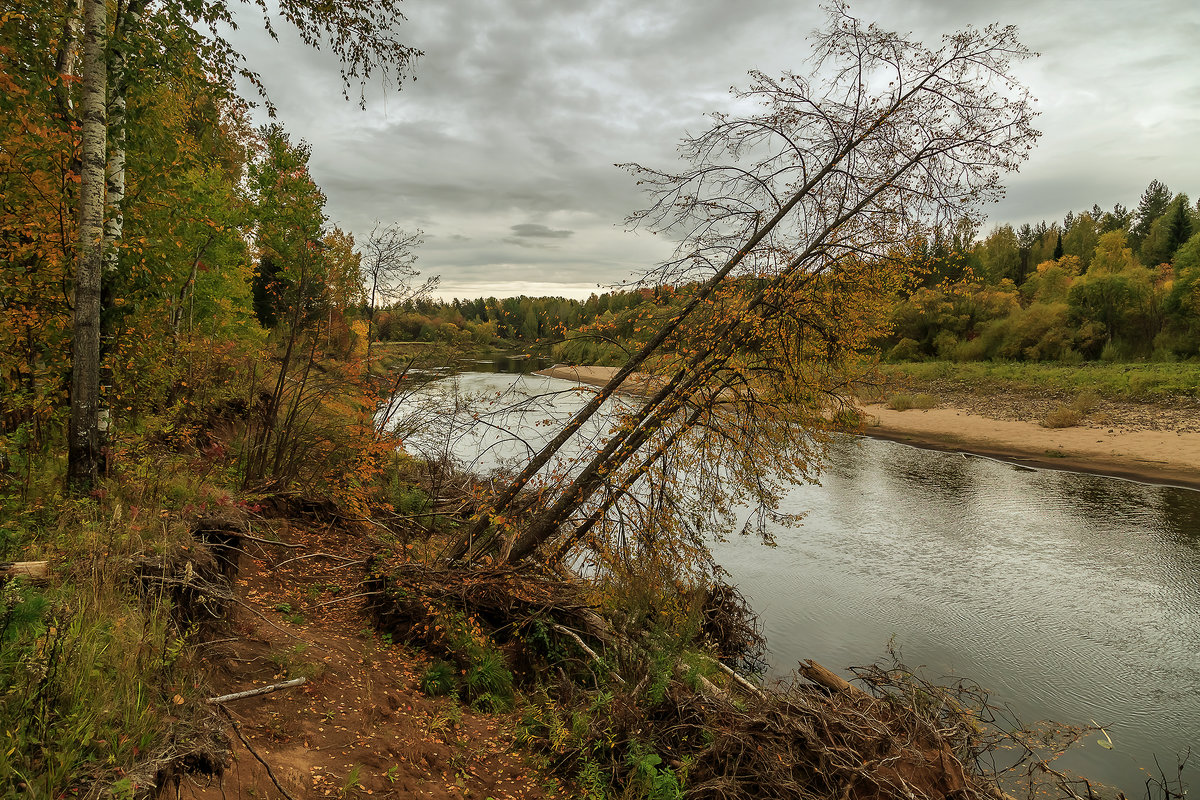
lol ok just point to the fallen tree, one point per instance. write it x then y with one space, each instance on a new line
790 220
622 708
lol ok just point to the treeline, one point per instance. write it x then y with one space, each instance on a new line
1115 285
517 321
1121 284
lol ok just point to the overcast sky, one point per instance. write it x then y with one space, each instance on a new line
502 150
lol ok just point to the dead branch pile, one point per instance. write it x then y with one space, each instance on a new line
668 721
731 629
408 601
197 580
197 747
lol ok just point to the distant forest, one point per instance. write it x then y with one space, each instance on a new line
1115 285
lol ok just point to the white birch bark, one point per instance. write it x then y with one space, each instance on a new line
84 431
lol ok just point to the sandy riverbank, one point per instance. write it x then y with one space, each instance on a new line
1120 447
637 383
1153 456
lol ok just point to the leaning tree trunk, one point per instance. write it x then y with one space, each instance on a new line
505 498
84 445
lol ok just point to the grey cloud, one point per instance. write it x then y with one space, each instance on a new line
521 108
536 230
524 243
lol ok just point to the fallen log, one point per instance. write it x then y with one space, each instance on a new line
274 687
34 570
821 676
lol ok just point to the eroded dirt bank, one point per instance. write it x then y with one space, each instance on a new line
360 726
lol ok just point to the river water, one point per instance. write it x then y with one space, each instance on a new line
1067 596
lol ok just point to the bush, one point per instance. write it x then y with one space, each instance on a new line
1062 417
1068 416
489 683
905 350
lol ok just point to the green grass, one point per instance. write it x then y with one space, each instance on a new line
1116 381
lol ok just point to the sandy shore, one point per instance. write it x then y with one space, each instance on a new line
1153 456
637 383
1119 448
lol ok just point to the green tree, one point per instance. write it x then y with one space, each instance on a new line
1168 233
1080 238
1153 205
361 35
1120 301
1111 255
999 255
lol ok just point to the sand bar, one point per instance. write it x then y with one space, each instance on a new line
1152 456
637 383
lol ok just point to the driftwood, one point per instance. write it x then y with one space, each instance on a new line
738 679
827 678
584 647
274 687
34 570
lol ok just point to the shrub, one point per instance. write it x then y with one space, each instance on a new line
905 350
1062 417
1068 416
489 684
900 402
924 401
944 343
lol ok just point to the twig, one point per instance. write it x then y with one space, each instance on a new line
274 687
212 642
237 729
256 612
347 597
314 555
582 646
267 541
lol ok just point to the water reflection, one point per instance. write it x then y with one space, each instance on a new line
1069 597
1073 597
507 363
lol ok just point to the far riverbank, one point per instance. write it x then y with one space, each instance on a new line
1122 442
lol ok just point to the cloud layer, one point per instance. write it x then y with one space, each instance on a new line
503 149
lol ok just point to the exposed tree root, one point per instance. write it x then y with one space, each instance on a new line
894 737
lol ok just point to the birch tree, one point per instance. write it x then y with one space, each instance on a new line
788 218
83 433
361 33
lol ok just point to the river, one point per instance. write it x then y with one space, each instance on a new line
1067 596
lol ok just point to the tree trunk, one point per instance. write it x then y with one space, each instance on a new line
84 445
506 497
65 58
127 21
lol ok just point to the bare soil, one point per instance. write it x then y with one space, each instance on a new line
360 727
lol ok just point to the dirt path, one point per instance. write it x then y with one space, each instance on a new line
361 725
